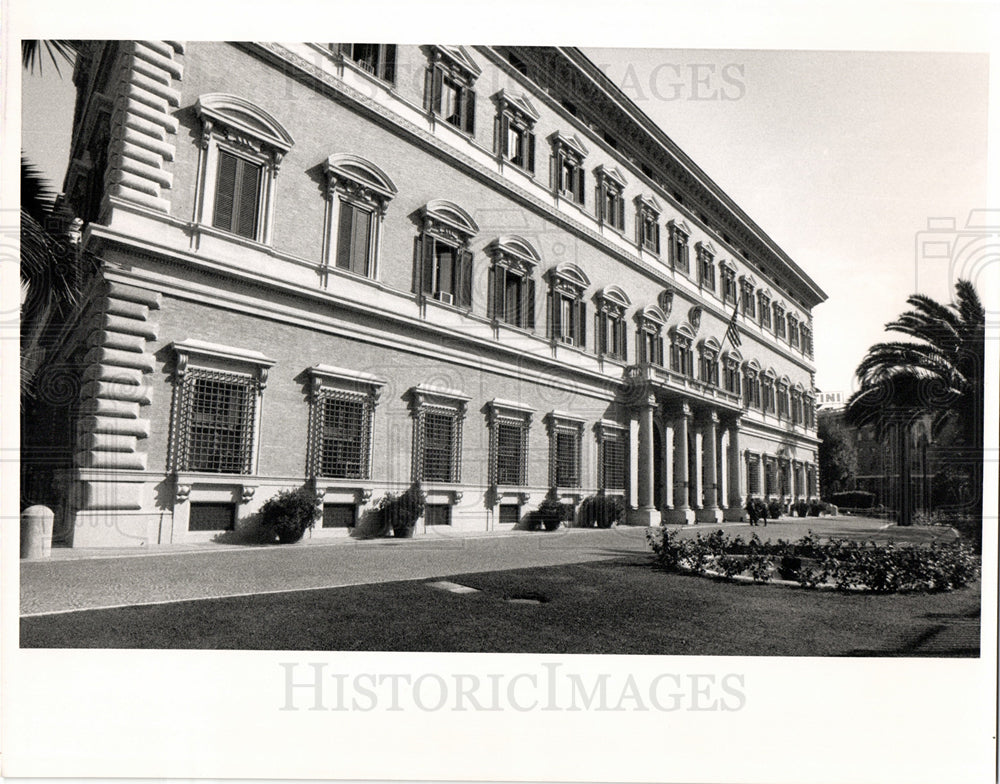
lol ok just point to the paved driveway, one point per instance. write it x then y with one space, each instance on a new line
75 580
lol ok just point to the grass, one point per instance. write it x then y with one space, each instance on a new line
618 606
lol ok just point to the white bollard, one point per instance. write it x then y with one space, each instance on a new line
36 532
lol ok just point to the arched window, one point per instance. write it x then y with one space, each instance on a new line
567 310
709 361
681 355
611 337
649 335
731 361
511 295
445 262
751 387
358 195
241 150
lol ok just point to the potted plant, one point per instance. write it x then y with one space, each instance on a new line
288 515
401 512
550 512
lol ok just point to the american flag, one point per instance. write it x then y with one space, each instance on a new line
733 334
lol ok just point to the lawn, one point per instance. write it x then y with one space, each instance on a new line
614 606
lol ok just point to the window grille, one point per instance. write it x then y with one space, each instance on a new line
567 458
753 474
510 514
613 462
345 436
212 517
339 515
215 422
511 452
439 447
437 514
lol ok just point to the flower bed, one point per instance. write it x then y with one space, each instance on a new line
837 563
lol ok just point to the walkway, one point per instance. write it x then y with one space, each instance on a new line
79 580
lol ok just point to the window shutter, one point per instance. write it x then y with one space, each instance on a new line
470 112
581 323
389 69
361 239
529 316
504 125
580 180
344 236
248 182
465 279
427 265
620 203
491 292
656 234
529 139
555 311
225 191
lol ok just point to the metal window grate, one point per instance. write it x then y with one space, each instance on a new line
613 463
753 474
216 414
567 458
344 438
510 514
437 514
339 515
439 447
212 517
511 453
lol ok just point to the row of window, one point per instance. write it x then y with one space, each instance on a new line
217 421
770 475
359 193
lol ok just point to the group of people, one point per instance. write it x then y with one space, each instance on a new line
756 511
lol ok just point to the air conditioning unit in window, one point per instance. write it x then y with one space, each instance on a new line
445 297
568 341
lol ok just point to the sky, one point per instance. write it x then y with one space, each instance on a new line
841 157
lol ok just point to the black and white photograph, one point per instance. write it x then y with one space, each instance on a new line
598 405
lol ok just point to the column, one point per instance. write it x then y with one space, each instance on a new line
668 463
734 510
710 512
698 469
681 513
646 513
721 470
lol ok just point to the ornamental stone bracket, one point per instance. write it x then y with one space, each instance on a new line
247 493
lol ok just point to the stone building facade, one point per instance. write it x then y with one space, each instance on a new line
353 267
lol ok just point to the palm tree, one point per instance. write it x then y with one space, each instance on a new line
52 269
939 372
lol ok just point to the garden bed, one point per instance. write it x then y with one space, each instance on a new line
840 564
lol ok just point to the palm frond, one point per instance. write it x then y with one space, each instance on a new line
32 54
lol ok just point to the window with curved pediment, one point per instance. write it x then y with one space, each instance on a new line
511 295
566 308
611 333
709 362
445 261
768 404
649 336
731 362
751 386
358 195
681 354
241 150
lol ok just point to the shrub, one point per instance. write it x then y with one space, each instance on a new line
815 508
401 512
801 508
774 509
288 515
855 499
841 563
550 513
602 511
